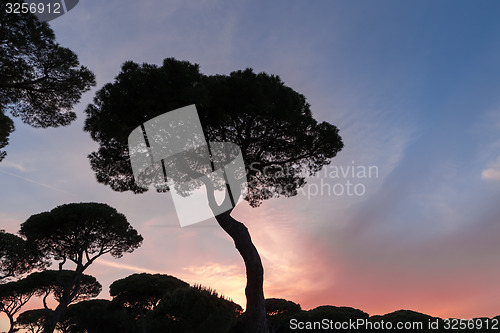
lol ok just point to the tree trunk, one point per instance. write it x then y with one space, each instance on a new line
11 321
67 297
255 313
50 324
143 321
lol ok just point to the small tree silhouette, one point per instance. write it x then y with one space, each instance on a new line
31 320
141 293
195 309
97 316
13 296
80 233
17 257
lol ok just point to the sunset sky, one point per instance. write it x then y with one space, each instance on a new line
413 86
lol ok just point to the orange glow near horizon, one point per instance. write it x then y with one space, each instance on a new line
228 281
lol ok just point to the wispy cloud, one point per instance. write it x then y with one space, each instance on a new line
214 270
493 172
35 182
127 267
13 165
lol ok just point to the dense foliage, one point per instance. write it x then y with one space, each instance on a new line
40 81
273 125
17 257
79 233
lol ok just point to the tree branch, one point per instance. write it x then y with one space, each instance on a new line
24 84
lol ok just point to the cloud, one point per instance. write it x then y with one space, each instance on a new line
17 166
35 182
133 268
214 270
492 173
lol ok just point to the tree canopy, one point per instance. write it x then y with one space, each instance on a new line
55 283
143 290
97 316
17 257
141 293
6 127
273 125
31 320
195 309
280 306
279 311
40 81
81 232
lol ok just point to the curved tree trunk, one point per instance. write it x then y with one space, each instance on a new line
51 323
68 296
255 313
11 322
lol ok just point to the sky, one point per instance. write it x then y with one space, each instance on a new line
411 85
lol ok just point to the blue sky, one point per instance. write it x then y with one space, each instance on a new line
413 87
